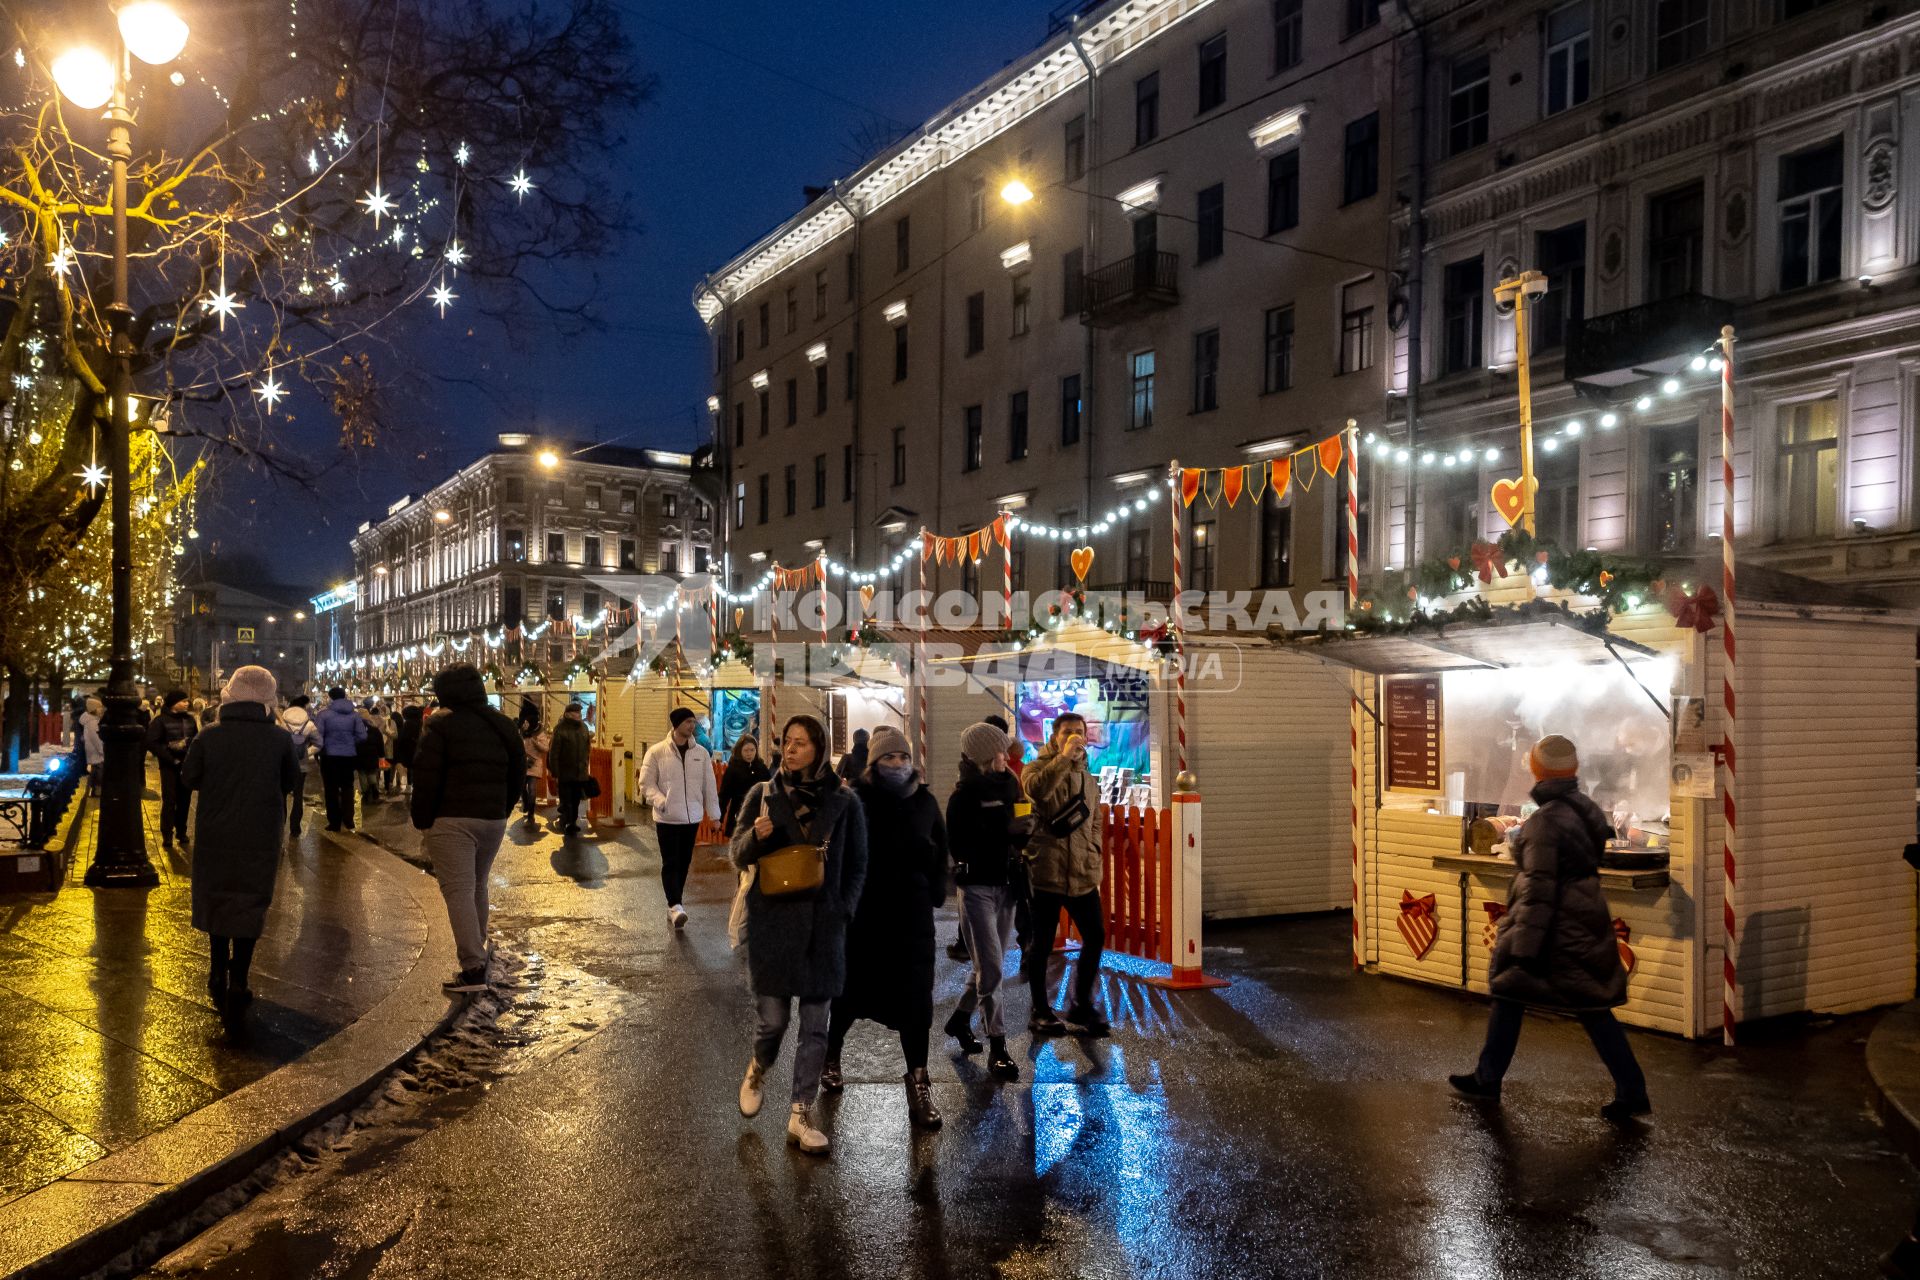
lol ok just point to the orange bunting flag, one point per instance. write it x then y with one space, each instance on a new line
926 545
1190 485
1331 450
1000 530
1304 474
976 545
1257 482
1282 475
1210 486
1232 481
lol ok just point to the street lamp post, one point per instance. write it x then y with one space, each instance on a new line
151 31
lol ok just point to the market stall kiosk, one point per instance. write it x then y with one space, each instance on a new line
1825 750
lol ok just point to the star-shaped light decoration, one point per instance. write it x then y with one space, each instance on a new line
62 260
378 203
462 154
22 381
443 297
335 283
4 239
93 475
520 184
270 391
313 160
340 138
223 304
456 254
399 233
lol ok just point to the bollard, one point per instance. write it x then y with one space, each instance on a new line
622 781
1184 911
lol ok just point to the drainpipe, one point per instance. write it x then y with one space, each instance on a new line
721 426
1089 257
859 366
1416 270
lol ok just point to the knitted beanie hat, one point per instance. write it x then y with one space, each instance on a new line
885 741
675 717
981 742
1553 757
253 684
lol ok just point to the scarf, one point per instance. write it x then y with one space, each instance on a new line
806 791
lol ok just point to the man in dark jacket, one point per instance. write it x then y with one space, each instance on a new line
570 761
341 733
986 831
467 774
1555 947
168 736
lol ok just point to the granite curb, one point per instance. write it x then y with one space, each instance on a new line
99 1211
1893 1063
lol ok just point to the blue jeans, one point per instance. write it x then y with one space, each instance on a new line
809 1042
1503 1036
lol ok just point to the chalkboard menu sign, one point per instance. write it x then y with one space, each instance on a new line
1413 733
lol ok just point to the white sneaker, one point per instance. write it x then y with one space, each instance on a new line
750 1095
677 914
802 1134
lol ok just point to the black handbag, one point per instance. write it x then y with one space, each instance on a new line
1071 816
590 788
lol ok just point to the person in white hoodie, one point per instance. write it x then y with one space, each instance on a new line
96 751
298 722
676 778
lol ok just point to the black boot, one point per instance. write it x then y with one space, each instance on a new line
1467 1084
217 985
1087 1021
1000 1064
920 1108
830 1080
960 1027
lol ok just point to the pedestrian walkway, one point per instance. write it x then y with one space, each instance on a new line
107 1033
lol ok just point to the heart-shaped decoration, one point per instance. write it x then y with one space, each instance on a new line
1453 562
1082 560
1508 499
738 614
866 599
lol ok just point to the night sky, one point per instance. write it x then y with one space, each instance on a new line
755 101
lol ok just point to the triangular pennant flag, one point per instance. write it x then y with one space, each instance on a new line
1330 451
1304 474
1000 529
1232 481
926 545
1282 476
1210 487
1256 482
979 542
1189 485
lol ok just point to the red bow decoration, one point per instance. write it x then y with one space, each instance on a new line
1154 634
1495 910
1699 610
1487 560
1417 923
1620 935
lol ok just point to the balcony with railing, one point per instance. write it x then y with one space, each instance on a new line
1157 590
1650 340
1130 288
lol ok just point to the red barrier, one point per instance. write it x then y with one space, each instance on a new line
600 767
1136 884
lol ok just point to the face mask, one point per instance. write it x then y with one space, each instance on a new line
896 776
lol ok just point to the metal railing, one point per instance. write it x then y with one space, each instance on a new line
1139 282
1682 325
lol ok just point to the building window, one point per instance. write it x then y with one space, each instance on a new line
1287 33
1073 283
1674 220
1450 510
1362 14
1016 426
629 551
766 401
976 323
739 424
1276 349
669 505
513 606
793 308
1679 32
1569 78
590 552
513 489
791 488
902 245
1139 566
820 293
1809 468
1461 287
1140 369
1210 215
556 605
515 542
819 480
1063 553
900 353
1356 326
1556 507
793 401
1360 176
702 559
852 371
1076 149
670 557
1672 519
740 339
819 389
1810 187
969 569
1562 255
976 203
1467 105
899 455
764 490
1283 191
1022 306
766 324
1199 566
846 473
1146 109
1070 409
590 495
973 443
1206 370
1213 72
556 548
740 504
1276 540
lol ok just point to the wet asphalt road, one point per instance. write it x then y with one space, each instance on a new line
1297 1124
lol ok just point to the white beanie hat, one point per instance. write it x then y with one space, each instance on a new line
253 684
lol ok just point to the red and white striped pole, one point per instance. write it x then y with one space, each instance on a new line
1353 680
920 660
1006 567
1730 996
770 726
1173 623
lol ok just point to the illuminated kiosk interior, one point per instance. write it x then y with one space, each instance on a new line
1825 749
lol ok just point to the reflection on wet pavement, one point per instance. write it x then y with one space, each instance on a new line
1296 1124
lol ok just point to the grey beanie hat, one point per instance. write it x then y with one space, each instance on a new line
981 742
253 684
886 740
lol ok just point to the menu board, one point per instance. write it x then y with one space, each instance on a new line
1413 733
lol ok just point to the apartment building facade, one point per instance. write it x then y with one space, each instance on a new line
1671 167
1200 272
520 535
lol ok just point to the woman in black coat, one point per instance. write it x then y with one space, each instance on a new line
744 769
1555 948
244 768
406 739
890 940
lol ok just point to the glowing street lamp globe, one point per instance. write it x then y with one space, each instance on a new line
85 76
154 33
1016 192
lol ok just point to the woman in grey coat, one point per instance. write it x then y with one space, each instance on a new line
1555 948
797 946
244 768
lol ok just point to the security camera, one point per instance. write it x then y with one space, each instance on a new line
1528 284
